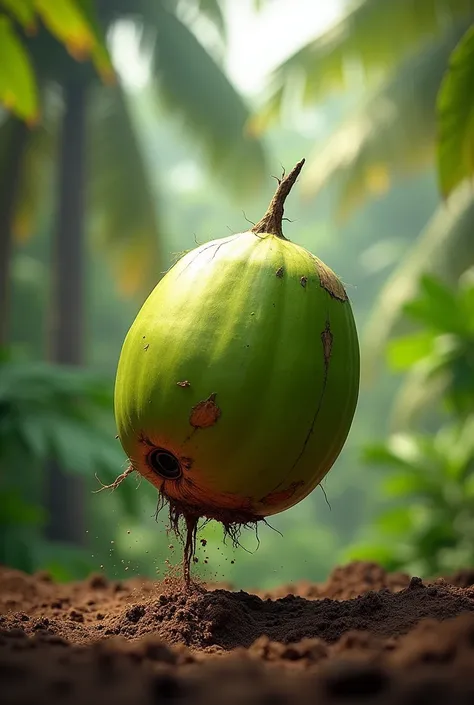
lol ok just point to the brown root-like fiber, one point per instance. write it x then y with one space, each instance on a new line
184 522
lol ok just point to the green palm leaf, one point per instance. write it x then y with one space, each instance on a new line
18 90
125 221
212 9
393 134
193 86
22 11
456 117
373 36
445 248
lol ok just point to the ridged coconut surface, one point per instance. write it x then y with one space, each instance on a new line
238 381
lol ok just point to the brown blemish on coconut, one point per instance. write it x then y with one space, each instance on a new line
184 383
279 272
146 346
303 282
327 340
330 281
205 413
279 496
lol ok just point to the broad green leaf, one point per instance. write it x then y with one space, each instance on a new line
466 296
438 533
404 352
436 307
373 37
469 485
455 445
126 223
23 12
398 520
67 21
400 451
456 117
73 22
402 484
18 90
193 86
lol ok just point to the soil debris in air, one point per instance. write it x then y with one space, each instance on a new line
363 636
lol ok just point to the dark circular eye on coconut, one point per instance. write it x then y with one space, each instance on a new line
165 464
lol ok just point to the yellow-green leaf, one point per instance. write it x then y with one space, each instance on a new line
456 117
373 37
22 11
18 90
67 22
100 54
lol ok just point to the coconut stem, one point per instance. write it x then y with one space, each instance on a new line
273 218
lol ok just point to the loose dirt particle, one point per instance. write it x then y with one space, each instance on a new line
364 636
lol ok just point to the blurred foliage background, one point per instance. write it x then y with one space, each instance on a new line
132 130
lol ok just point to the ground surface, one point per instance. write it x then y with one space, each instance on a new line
362 637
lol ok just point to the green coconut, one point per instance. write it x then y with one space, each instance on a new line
238 380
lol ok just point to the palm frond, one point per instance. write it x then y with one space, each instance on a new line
37 170
193 86
23 12
374 36
445 248
18 89
456 117
212 9
392 135
126 223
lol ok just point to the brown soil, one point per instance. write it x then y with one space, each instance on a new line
362 637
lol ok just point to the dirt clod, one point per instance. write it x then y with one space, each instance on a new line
363 636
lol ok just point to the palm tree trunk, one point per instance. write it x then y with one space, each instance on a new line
15 141
65 498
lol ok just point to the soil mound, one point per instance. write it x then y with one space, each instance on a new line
362 636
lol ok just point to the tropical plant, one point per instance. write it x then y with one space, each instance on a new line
47 411
429 527
122 206
86 151
68 21
402 50
456 117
